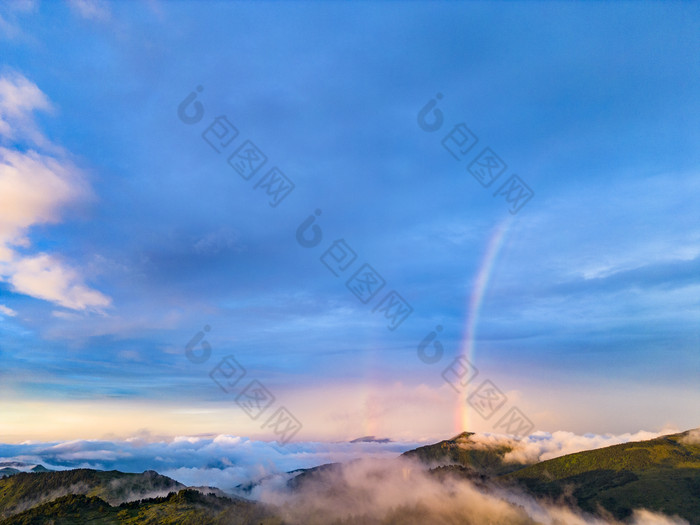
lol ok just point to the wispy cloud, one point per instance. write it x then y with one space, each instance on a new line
402 491
4 310
373 483
10 12
224 461
542 446
19 99
35 186
692 438
91 9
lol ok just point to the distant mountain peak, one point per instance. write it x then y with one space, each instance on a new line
483 457
370 439
464 435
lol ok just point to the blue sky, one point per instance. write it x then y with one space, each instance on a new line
123 233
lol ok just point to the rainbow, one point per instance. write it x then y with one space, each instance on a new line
481 282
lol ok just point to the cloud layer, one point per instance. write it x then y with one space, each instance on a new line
374 484
226 461
401 491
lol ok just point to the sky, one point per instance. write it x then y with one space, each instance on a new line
200 201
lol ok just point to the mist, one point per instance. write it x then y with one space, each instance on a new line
402 491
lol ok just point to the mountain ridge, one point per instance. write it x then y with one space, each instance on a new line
660 474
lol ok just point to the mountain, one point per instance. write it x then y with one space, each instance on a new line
25 490
465 450
15 467
463 456
306 475
296 478
370 439
661 474
186 507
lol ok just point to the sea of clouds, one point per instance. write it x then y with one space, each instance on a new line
226 461
374 485
401 491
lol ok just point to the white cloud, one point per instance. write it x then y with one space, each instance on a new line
237 459
35 186
70 316
8 29
644 517
401 491
692 438
221 460
33 189
45 277
9 312
218 241
25 6
373 484
542 446
19 99
91 9
11 10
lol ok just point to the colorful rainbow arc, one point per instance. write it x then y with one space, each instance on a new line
481 282
483 275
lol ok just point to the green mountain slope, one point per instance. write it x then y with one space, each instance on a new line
661 474
187 507
313 474
25 490
10 470
465 451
